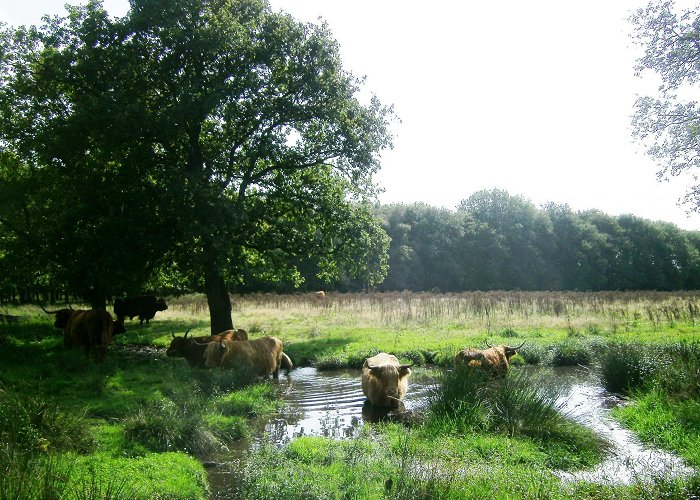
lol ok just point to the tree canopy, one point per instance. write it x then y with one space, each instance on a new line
498 241
202 140
668 123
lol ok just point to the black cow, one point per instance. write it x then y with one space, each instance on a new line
143 306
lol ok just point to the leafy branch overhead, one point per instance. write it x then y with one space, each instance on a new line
668 123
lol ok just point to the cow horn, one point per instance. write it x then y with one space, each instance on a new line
487 343
403 367
188 331
516 348
172 333
48 312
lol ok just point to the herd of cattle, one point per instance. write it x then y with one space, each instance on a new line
384 379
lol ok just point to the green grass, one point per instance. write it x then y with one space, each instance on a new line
665 410
131 427
151 416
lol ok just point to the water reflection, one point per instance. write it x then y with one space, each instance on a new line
331 404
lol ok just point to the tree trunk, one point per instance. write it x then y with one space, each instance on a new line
218 300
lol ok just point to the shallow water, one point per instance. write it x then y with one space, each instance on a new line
586 401
331 404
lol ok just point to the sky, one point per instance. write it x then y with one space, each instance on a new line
531 97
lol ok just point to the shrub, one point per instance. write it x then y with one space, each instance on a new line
330 363
679 373
29 423
532 354
571 353
416 356
627 366
166 425
357 360
508 333
459 399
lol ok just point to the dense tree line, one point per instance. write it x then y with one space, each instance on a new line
498 241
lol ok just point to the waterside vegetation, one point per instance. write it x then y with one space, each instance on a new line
71 423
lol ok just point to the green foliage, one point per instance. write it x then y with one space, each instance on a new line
666 123
571 352
518 405
210 185
258 399
627 367
175 423
32 423
533 354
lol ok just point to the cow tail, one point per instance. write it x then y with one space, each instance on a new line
286 362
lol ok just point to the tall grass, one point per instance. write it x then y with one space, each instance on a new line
627 367
495 311
520 404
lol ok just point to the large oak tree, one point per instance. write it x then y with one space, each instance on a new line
193 138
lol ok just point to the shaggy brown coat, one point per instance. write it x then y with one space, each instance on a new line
91 329
496 358
262 356
193 348
385 380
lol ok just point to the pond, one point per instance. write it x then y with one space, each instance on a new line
331 404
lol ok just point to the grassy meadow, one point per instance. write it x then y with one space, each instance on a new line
140 425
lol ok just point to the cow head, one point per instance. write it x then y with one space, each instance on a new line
62 316
214 353
179 345
387 381
507 350
161 305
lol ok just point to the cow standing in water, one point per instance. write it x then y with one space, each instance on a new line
385 380
495 358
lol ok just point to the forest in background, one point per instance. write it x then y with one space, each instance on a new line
492 241
498 241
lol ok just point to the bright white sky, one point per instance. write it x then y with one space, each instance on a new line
531 97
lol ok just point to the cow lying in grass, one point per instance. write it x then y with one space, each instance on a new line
495 358
385 380
261 356
193 348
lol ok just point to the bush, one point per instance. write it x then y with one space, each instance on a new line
532 354
625 367
415 356
357 360
166 425
679 373
459 399
330 363
571 353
